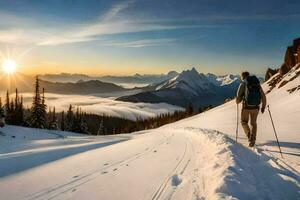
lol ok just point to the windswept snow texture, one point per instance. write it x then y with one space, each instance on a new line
195 158
105 106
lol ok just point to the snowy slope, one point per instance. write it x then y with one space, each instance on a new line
195 158
285 108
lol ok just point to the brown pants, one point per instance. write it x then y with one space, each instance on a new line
252 113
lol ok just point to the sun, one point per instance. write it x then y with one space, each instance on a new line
9 66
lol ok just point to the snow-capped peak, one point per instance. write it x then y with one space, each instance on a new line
190 80
228 79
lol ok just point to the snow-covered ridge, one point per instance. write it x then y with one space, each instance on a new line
193 81
278 81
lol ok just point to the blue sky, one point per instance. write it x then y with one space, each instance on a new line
147 36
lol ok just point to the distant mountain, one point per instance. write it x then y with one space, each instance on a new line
83 87
25 83
135 79
65 77
189 87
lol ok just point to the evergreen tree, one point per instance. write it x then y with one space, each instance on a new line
38 110
2 116
190 110
101 128
17 114
70 119
7 103
53 125
21 111
62 123
1 109
8 108
83 124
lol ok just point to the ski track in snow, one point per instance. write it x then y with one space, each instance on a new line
57 190
164 163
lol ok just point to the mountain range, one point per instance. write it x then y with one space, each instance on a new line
136 79
25 83
189 87
181 89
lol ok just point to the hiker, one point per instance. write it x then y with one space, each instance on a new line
251 94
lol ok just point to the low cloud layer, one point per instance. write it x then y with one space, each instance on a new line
104 106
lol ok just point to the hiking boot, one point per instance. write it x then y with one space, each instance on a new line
252 140
252 143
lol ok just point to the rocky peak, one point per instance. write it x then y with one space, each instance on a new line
270 72
291 58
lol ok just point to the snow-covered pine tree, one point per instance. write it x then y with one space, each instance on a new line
38 110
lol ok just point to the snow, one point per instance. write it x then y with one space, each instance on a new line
222 80
227 80
195 158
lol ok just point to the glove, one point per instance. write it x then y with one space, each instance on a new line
262 110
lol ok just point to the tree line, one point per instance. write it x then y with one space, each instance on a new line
75 120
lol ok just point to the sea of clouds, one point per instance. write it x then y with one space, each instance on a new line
103 106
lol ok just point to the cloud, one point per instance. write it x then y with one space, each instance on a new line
105 106
106 24
29 31
142 43
94 31
116 9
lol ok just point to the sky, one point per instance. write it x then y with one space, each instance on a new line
100 37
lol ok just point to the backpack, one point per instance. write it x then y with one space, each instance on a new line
252 96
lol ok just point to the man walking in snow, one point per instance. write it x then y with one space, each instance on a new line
251 95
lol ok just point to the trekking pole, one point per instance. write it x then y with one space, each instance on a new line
237 122
275 131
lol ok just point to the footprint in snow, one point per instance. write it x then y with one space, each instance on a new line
176 180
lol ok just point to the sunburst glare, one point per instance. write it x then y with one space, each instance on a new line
9 66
